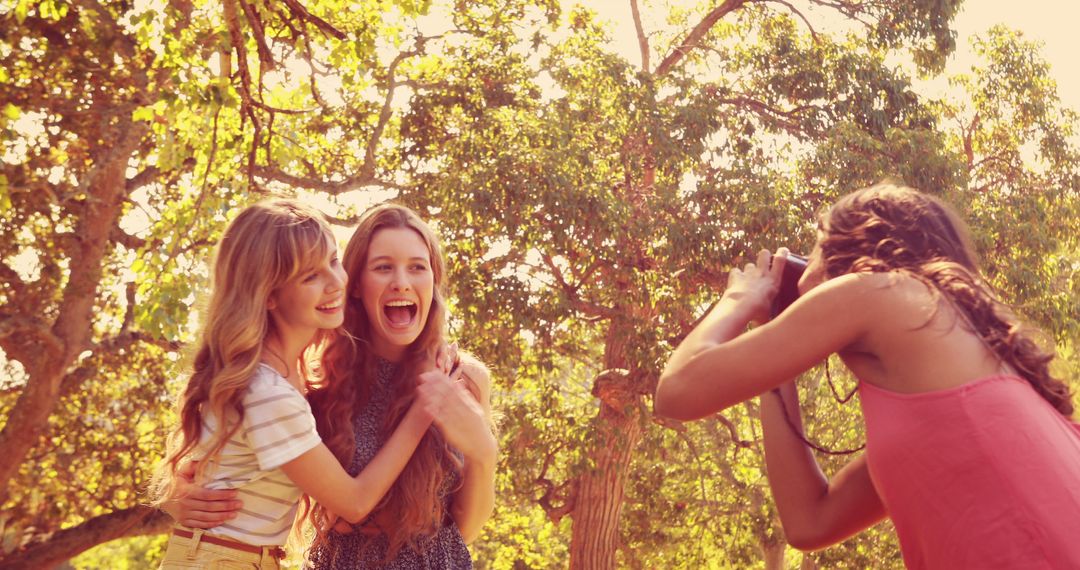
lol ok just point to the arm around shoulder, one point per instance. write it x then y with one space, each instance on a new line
319 474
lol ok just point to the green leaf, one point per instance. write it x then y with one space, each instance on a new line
145 113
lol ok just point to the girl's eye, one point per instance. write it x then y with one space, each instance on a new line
311 277
419 267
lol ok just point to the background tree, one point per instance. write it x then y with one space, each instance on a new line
605 242
590 207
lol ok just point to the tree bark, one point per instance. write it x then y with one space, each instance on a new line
48 362
67 543
773 551
693 39
601 488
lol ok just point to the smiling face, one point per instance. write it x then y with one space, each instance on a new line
312 300
395 285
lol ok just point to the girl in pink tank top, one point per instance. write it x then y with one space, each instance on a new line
970 448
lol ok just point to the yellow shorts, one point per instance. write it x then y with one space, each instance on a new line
197 551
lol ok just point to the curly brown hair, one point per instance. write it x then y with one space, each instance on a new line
889 227
348 368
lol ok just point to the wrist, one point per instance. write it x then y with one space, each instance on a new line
417 419
171 508
484 454
741 304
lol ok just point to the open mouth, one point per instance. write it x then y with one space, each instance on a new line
330 307
400 314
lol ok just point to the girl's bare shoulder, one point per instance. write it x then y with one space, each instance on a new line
885 288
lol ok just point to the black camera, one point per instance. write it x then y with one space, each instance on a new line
789 283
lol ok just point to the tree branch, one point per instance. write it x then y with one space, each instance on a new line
125 239
616 386
266 61
571 292
565 492
813 32
104 187
695 36
35 342
334 188
146 176
70 542
302 13
733 432
784 119
643 41
850 9
153 174
73 380
367 169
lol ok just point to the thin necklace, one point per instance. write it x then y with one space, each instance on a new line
288 371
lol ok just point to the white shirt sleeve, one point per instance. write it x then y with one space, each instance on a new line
278 422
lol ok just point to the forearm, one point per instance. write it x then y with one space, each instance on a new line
678 383
726 320
798 484
816 512
474 502
319 474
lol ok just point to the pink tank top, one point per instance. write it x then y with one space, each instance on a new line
984 475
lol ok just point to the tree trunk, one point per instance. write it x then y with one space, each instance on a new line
70 542
773 550
617 429
70 333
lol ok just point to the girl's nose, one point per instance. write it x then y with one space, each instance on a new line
400 282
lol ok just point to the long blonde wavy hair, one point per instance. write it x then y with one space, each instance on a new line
888 227
268 244
416 501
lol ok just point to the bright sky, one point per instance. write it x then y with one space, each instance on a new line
1053 22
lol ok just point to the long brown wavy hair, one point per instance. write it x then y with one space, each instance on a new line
415 502
889 227
266 246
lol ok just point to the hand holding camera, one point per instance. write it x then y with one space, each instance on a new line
769 285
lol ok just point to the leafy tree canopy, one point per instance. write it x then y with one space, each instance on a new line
590 208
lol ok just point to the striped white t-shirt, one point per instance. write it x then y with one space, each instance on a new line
278 427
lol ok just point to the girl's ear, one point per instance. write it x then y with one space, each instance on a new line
271 303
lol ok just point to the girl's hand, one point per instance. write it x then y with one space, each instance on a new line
198 507
340 525
446 357
757 283
456 413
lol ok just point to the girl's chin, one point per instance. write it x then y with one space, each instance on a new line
399 337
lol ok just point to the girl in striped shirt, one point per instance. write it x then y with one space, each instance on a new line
278 289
